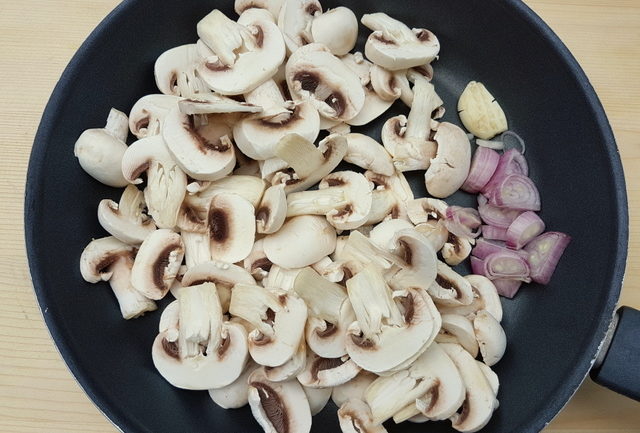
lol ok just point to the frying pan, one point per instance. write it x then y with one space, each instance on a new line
554 332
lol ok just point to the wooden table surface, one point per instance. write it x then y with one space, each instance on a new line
37 39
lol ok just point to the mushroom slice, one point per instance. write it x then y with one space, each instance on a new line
271 166
456 249
100 151
385 83
157 263
290 369
295 21
316 75
428 214
257 136
360 251
480 113
458 329
273 6
390 195
355 388
281 278
355 417
125 220
148 113
384 233
385 336
250 188
485 297
491 337
408 139
395 46
491 376
329 269
278 318
309 163
236 394
480 400
200 151
108 259
206 353
192 222
318 398
301 241
210 103
232 227
367 153
344 197
237 49
374 106
330 313
175 71
257 263
272 212
224 275
166 182
337 29
418 261
327 372
278 406
450 166
432 382
450 288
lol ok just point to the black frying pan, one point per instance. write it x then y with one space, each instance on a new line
553 332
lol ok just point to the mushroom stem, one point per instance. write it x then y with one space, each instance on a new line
269 97
425 101
118 125
323 297
252 303
200 319
319 202
197 248
300 154
132 303
391 29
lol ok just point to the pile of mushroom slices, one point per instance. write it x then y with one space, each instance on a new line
288 297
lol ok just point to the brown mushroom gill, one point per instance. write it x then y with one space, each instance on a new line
308 81
262 214
336 101
312 9
171 348
463 411
432 395
218 225
423 35
204 145
381 38
328 331
143 123
362 342
273 407
405 250
453 240
289 120
407 303
224 346
347 210
160 265
322 364
447 284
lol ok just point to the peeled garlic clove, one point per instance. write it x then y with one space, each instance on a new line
480 112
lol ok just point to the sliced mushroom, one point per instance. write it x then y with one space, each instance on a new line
301 241
309 163
491 337
429 215
100 151
279 407
327 372
359 251
192 222
232 227
395 46
390 197
271 166
344 197
250 188
316 75
367 153
337 29
295 22
224 275
273 6
458 329
450 288
157 263
432 382
125 220
385 83
450 166
355 388
272 212
418 261
384 233
210 103
147 115
491 376
281 278
206 353
355 417
456 249
329 269
408 139
480 400
278 318
385 335
318 398
166 182
480 113
175 72
235 395
485 297
257 263
258 135
108 259
290 369
244 56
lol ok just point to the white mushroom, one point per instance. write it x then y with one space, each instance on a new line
367 153
450 288
485 297
428 214
157 263
250 188
108 259
337 29
271 166
384 233
316 75
418 261
386 83
450 167
244 56
491 337
460 330
295 20
329 269
281 278
148 113
232 227
355 388
100 151
175 72
166 182
210 103
272 212
273 6
194 230
395 46
235 395
327 372
279 406
278 319
355 417
125 220
318 398
257 263
301 241
290 369
390 197
480 113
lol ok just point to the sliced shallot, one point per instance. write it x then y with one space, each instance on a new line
544 253
462 221
506 264
484 164
495 216
507 288
523 229
516 191
511 162
493 233
485 247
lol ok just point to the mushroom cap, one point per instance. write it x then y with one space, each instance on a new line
355 417
318 398
327 372
202 372
383 234
236 394
157 263
273 6
278 406
232 225
257 263
290 369
265 51
147 115
174 69
295 20
408 154
485 297
200 152
355 388
456 249
250 188
462 331
99 255
367 153
394 46
450 167
337 29
491 337
329 340
272 212
357 190
385 83
314 74
125 221
302 241
419 260
450 288
100 154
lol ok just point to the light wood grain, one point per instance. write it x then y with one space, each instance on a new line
37 39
